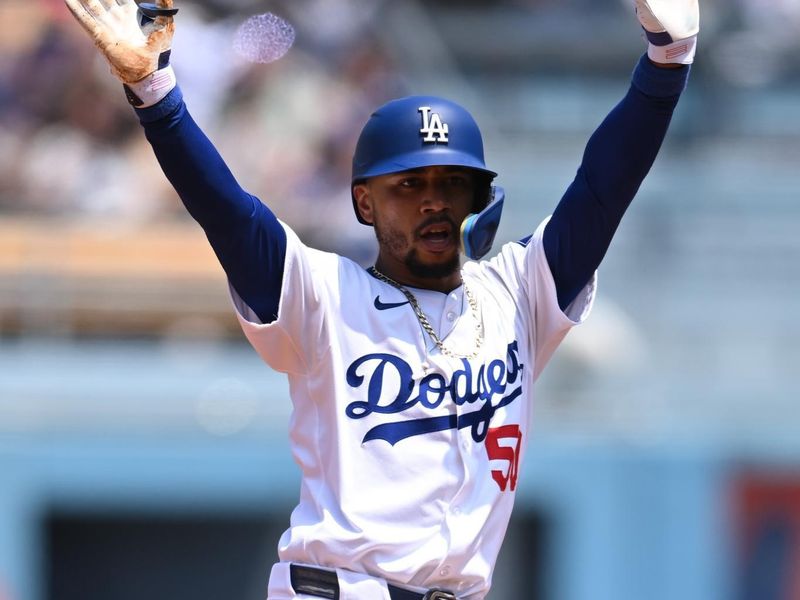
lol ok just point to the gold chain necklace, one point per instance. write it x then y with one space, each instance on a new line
426 324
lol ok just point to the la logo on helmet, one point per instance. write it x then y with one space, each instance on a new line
432 127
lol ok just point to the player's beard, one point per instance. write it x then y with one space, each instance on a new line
394 242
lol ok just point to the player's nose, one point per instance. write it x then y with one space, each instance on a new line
435 198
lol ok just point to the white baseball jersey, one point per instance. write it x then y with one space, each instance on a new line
409 457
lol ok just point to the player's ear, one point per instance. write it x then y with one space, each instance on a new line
363 200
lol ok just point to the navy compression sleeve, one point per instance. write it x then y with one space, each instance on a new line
246 237
618 156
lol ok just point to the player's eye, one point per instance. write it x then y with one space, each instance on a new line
458 182
409 182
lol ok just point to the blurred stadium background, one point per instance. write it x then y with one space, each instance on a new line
143 449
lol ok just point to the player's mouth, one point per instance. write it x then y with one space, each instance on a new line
437 237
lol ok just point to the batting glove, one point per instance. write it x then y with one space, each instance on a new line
671 27
136 40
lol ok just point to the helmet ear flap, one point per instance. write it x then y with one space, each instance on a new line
478 229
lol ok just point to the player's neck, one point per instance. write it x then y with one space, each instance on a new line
401 274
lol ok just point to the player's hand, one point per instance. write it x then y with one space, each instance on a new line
132 41
671 27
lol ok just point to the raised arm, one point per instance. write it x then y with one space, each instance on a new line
621 151
246 237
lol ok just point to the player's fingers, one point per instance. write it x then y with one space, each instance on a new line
164 3
94 8
83 15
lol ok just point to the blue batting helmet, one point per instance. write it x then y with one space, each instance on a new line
418 131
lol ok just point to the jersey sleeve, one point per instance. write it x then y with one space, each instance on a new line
522 270
618 156
244 233
293 342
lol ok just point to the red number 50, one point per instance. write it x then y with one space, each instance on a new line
508 452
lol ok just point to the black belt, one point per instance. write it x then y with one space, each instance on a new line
325 584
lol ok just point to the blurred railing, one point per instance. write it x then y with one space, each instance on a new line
67 277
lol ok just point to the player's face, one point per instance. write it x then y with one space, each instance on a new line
417 216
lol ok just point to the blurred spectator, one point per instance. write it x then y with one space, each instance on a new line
761 43
70 144
295 152
65 140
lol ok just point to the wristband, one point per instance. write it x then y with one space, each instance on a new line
680 52
152 89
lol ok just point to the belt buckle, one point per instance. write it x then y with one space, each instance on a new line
439 595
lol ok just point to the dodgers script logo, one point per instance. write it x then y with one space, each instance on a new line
486 386
432 126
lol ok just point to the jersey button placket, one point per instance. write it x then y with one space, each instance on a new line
452 309
457 515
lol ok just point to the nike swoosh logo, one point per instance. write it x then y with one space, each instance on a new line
387 305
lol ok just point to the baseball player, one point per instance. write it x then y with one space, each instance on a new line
412 380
